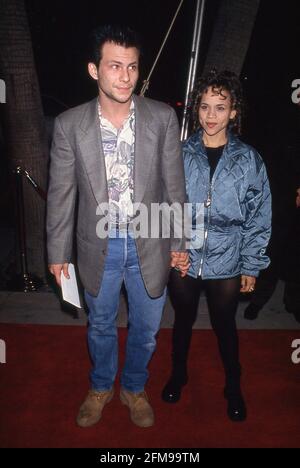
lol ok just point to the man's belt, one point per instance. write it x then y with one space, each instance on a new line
123 227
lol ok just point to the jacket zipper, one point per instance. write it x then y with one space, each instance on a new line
207 205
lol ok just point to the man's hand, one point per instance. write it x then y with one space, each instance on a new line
298 198
56 269
181 261
247 283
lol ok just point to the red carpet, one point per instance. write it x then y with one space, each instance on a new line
45 379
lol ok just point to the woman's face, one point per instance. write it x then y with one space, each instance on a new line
215 111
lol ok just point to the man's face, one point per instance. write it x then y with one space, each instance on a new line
117 73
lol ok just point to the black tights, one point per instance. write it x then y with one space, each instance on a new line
222 299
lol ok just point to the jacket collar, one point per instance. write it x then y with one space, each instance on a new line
195 144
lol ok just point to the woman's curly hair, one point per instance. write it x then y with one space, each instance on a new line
219 81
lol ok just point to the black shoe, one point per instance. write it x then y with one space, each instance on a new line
236 408
251 312
172 391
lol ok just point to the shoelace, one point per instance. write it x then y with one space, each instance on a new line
97 395
138 399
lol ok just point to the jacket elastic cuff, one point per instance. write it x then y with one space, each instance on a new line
246 272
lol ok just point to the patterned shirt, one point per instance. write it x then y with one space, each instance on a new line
118 148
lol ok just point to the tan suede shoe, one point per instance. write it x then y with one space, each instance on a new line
91 409
141 412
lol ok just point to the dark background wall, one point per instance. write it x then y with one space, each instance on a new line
59 31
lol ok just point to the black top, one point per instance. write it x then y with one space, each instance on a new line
213 156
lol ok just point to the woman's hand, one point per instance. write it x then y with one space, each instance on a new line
247 283
181 261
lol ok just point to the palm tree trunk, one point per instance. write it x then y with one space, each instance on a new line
231 35
24 128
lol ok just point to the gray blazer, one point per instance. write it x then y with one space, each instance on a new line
78 167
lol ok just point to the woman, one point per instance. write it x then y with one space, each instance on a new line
228 179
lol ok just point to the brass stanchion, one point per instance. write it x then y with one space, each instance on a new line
24 281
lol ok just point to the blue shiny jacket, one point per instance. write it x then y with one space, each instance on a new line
236 210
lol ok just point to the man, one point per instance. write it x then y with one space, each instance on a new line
121 150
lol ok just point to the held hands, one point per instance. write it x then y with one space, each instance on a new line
56 269
180 260
247 283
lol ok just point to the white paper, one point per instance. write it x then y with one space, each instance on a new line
69 287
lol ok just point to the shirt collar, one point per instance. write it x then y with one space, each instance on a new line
131 111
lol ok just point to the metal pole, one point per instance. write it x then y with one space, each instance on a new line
193 64
36 187
23 281
21 222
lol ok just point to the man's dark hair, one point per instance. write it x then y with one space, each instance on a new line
120 35
219 81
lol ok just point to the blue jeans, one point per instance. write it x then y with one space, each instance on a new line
144 318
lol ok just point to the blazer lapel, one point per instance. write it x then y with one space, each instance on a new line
93 156
92 152
145 146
